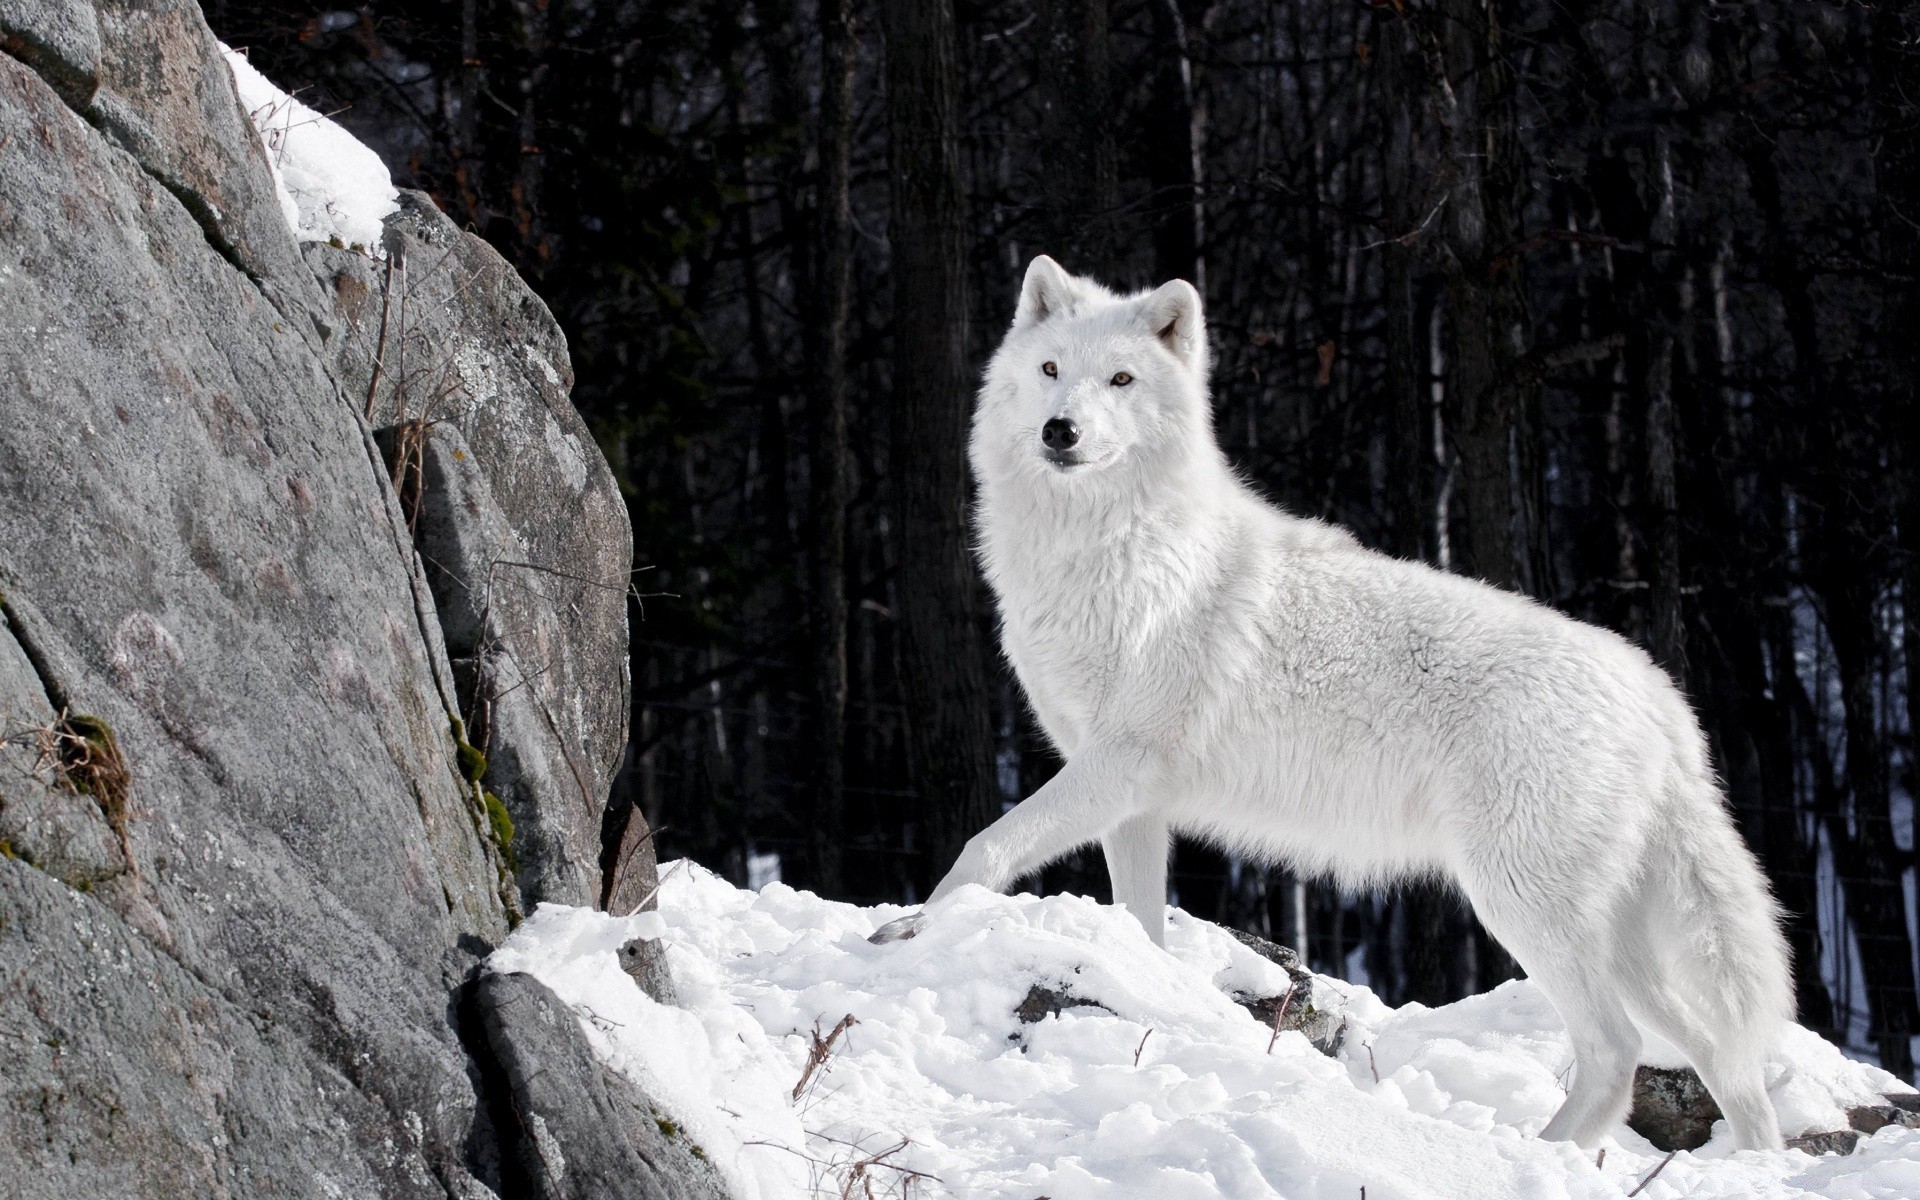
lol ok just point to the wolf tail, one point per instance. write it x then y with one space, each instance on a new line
1715 978
1734 953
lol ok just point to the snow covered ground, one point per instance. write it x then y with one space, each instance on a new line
1176 1093
331 188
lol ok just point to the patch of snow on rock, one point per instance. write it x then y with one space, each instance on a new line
331 187
1167 1089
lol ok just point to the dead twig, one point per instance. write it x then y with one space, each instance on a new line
1650 1174
1279 1014
655 891
852 1176
1141 1046
380 348
822 1047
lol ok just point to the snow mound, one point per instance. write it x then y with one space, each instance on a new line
1167 1089
331 188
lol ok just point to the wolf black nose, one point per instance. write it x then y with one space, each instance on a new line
1060 434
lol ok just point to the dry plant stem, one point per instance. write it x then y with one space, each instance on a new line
1143 1046
1372 1065
822 1047
852 1171
1650 1174
859 1168
1280 1014
380 349
648 898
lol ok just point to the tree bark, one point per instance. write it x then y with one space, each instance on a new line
1896 75
1866 853
1409 445
528 210
1082 176
1488 302
827 438
943 665
1176 125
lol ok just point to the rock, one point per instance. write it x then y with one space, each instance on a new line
1042 1002
166 96
645 960
198 545
632 877
60 40
517 517
571 1129
1839 1141
1306 1008
900 929
129 1076
1672 1108
1902 1109
237 973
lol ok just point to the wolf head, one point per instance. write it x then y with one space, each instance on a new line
1090 385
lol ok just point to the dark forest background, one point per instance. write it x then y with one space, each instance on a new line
1613 303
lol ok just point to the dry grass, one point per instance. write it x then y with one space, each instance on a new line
79 754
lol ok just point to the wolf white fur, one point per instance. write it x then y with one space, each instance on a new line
1211 665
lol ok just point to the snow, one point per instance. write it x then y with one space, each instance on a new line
331 188
1061 1108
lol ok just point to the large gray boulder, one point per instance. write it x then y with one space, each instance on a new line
248 860
569 1128
197 550
517 516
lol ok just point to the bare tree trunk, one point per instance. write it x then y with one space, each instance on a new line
1083 184
1667 302
465 126
1177 124
527 181
827 438
942 660
1487 302
1409 440
1896 71
1867 854
1435 937
1666 635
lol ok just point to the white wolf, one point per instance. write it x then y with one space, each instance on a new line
1208 664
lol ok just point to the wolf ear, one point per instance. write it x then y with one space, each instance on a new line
1172 311
1047 291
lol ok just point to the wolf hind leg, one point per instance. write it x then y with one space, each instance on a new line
1568 960
1136 851
1606 1048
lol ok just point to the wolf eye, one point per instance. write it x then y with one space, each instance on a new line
1052 370
1122 379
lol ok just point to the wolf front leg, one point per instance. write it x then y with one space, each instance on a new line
1136 851
1098 789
